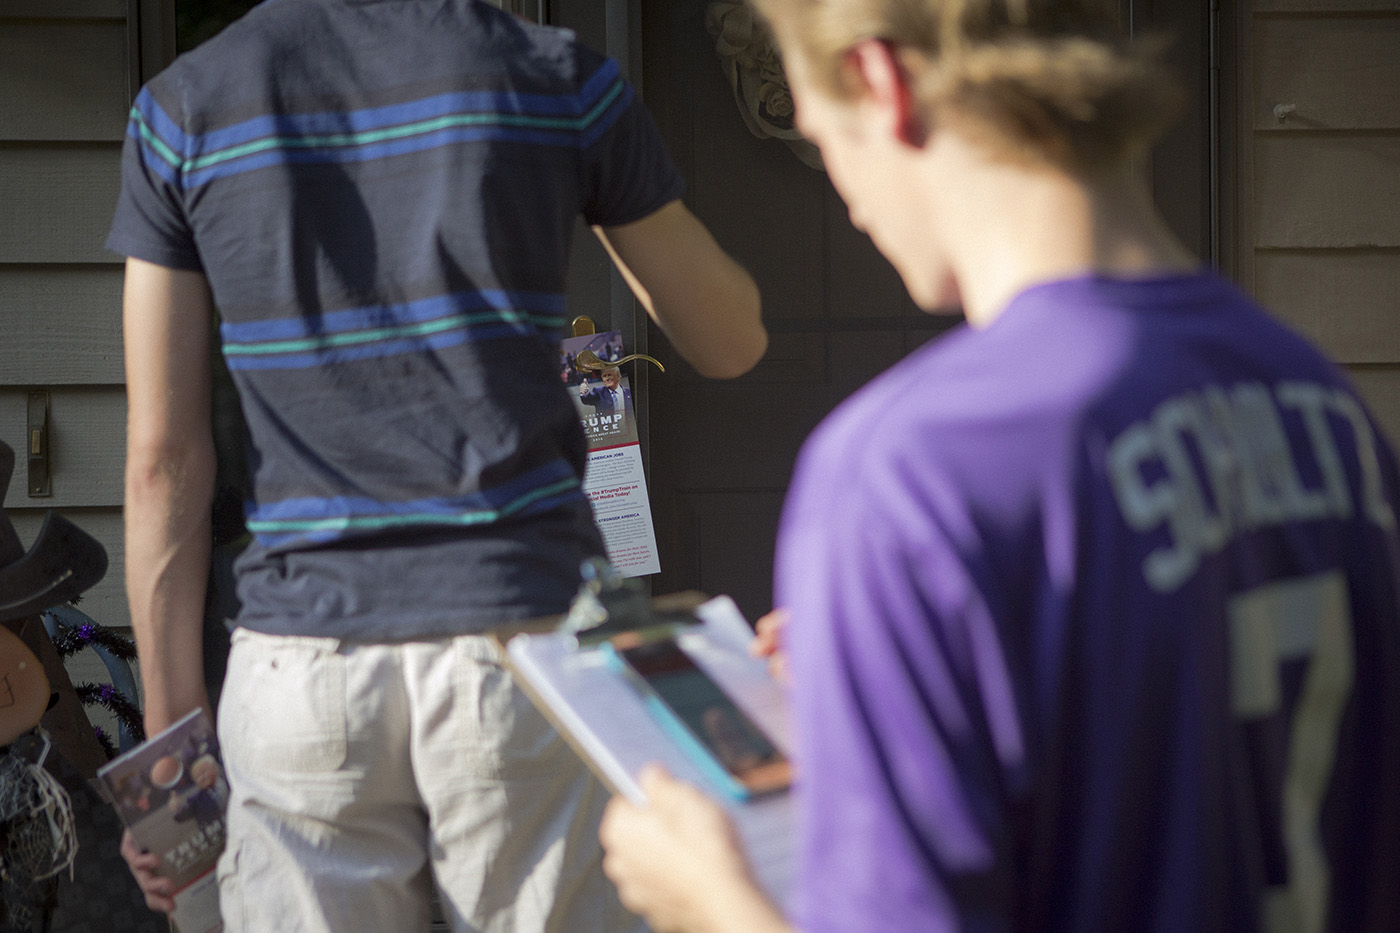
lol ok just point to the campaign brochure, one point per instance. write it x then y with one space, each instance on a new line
615 482
170 791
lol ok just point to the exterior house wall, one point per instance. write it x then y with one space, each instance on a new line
1312 225
66 69
1320 180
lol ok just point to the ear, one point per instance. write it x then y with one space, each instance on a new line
887 87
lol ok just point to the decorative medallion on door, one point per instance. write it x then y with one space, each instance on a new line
751 62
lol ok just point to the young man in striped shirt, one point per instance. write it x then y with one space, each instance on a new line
379 199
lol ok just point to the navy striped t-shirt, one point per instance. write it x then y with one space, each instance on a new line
382 196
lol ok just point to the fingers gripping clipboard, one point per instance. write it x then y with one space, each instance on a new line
579 685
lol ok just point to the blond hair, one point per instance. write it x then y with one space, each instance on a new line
1036 80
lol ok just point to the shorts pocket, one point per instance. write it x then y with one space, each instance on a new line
284 701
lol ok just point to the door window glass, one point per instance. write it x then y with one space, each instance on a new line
197 20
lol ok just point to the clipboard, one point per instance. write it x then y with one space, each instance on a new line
605 720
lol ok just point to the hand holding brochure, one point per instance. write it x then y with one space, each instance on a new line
608 722
171 793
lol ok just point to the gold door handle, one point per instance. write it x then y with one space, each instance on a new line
589 360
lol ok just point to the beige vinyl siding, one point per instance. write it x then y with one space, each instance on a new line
66 69
1307 288
57 201
1330 190
1381 387
1342 72
71 334
71 95
1320 177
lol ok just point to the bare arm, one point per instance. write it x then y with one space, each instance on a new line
679 864
704 301
170 466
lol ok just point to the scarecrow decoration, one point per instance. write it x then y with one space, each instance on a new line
38 840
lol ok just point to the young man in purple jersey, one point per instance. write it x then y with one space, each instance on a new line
1093 603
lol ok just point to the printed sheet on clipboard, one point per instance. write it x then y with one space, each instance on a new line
606 720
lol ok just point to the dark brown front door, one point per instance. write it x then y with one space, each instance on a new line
721 452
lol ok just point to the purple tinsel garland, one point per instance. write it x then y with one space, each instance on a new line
69 641
111 698
72 640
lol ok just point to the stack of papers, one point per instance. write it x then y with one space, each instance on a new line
606 721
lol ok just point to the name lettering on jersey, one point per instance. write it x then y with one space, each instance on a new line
1210 464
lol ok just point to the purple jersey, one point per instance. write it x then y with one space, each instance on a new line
1094 626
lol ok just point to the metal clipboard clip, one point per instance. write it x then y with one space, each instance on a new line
608 605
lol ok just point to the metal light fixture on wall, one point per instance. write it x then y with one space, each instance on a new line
751 62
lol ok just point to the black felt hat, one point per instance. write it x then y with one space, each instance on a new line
63 561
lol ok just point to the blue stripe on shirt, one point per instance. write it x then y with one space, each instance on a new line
369 119
532 304
324 519
386 330
572 121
